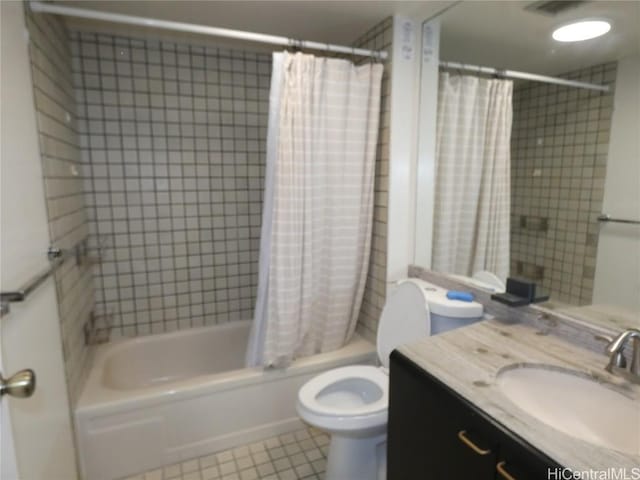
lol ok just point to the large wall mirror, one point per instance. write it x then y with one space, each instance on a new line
525 166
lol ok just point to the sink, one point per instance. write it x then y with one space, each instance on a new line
574 404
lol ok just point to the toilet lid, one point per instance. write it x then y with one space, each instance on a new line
405 318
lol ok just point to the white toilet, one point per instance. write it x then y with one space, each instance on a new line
351 402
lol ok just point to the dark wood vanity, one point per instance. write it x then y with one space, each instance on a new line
436 434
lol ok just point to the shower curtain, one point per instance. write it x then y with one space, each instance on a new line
473 175
318 206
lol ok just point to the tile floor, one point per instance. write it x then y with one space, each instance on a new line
299 455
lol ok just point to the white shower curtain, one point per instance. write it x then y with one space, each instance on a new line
473 175
318 206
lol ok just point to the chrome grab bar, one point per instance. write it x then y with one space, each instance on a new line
605 217
57 257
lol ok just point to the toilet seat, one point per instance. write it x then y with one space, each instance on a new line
310 393
405 317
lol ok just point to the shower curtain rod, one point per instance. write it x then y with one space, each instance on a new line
201 29
523 76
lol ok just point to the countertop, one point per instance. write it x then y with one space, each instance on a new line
468 360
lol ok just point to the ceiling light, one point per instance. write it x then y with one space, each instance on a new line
582 30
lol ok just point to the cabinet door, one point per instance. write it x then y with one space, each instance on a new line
432 434
516 461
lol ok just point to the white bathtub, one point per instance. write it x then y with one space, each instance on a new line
156 400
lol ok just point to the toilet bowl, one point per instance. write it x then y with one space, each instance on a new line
349 400
351 403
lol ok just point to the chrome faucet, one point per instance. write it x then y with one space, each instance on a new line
617 363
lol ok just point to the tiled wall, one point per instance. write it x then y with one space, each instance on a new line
173 143
560 142
378 38
55 106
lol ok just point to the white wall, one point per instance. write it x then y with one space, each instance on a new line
402 147
426 161
30 334
617 279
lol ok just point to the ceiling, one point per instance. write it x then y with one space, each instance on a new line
500 34
337 21
505 35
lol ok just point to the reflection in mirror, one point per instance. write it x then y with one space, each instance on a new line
525 165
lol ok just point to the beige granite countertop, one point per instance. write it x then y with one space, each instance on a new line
468 360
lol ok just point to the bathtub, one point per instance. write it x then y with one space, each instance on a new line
160 399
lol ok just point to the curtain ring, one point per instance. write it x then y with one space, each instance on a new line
295 45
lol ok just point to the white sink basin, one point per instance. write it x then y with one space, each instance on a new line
574 404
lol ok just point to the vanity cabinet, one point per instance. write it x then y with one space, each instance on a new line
434 434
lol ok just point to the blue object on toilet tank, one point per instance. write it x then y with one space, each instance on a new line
462 296
446 314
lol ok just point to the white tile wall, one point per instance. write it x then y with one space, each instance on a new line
559 143
50 53
173 145
378 38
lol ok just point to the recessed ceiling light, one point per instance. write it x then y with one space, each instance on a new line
582 30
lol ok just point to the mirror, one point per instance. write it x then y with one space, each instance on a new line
524 168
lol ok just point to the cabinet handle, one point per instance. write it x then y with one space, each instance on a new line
462 435
503 471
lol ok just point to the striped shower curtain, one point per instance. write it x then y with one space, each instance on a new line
473 176
318 206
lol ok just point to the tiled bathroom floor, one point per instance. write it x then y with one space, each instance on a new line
299 455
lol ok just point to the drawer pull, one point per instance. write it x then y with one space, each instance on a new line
462 435
503 472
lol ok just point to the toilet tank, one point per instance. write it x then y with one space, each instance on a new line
449 314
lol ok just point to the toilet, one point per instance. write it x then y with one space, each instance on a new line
351 403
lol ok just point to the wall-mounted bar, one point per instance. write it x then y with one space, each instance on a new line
534 77
201 29
57 257
604 217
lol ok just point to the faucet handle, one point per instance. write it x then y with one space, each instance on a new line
619 342
604 338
